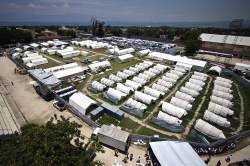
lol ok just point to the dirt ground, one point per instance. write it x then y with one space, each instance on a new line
36 110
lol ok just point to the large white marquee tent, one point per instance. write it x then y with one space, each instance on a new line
219 109
144 97
181 103
173 110
168 118
210 116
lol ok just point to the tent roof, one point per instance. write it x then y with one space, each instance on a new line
82 100
114 133
170 153
68 72
215 68
126 56
96 65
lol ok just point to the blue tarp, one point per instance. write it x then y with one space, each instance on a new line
169 51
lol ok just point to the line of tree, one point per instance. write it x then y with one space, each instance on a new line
71 33
10 35
97 28
58 142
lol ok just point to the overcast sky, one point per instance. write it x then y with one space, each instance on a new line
124 10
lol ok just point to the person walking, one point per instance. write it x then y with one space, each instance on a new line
218 163
116 152
127 153
12 83
138 160
131 156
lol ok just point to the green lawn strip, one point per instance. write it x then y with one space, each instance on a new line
116 67
50 63
129 124
108 120
99 50
19 60
146 131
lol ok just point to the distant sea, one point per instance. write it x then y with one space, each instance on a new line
217 24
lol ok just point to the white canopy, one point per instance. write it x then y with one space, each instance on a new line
139 80
134 69
168 118
155 71
116 94
28 59
196 77
197 82
221 101
224 80
222 89
81 102
184 96
107 82
189 91
150 74
153 92
216 69
173 110
69 72
96 66
210 116
129 72
200 74
160 88
124 88
98 86
144 97
124 58
180 69
181 103
39 61
178 73
122 75
174 153
132 84
115 78
169 79
144 76
165 83
143 52
192 86
131 103
184 66
209 130
223 95
223 84
174 76
219 109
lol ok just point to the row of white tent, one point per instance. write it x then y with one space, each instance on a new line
217 111
34 59
90 44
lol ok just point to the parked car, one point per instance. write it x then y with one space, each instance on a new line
58 105
67 62
86 61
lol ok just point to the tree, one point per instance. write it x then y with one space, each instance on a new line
49 144
100 31
193 41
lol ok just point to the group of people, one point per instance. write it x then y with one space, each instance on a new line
216 151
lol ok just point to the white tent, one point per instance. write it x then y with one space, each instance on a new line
28 59
172 80
31 54
178 73
160 88
197 82
173 110
115 78
181 103
124 51
124 58
210 116
139 80
174 153
216 69
191 92
131 103
143 52
223 84
149 63
18 50
122 75
39 61
193 86
144 97
153 92
150 74
62 74
132 84
221 101
223 95
139 67
209 130
81 102
242 66
155 71
16 55
95 66
184 66
184 96
224 80
124 88
168 118
174 76
70 54
222 89
196 77
146 65
134 69
98 86
129 72
113 137
43 50
165 83
144 76
116 94
84 53
180 69
200 74
107 82
219 109
50 51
